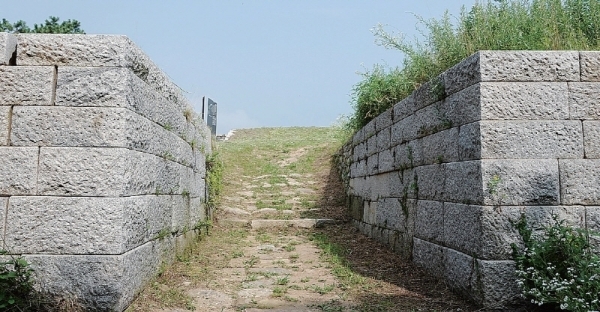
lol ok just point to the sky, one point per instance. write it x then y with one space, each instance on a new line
266 63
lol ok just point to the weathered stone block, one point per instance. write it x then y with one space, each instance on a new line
426 121
102 283
463 182
371 145
521 182
579 181
26 85
462 107
429 221
591 137
529 65
386 160
431 180
384 120
469 142
357 207
5 115
494 284
404 108
84 225
458 271
180 217
358 137
380 186
584 100
8 46
440 147
370 212
524 100
199 164
428 256
590 65
370 129
118 87
19 169
373 164
383 139
408 155
3 207
360 151
462 75
198 212
531 139
396 214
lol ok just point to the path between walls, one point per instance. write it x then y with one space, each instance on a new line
280 200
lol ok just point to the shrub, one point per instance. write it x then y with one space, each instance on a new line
16 284
559 268
491 25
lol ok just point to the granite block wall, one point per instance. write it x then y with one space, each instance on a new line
440 176
103 165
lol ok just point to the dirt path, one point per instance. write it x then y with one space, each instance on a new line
281 241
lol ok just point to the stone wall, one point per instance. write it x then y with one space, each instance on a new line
103 165
440 176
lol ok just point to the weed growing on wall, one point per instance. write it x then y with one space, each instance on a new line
491 25
16 283
559 268
214 178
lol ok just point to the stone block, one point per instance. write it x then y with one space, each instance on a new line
531 139
360 170
404 108
463 182
494 285
383 139
584 100
197 212
396 134
440 147
380 185
386 160
357 207
431 181
591 137
529 66
429 92
96 51
5 116
462 107
369 129
384 120
180 217
524 100
395 213
592 222
521 182
199 164
8 46
409 155
19 170
462 75
371 145
458 271
481 231
424 122
99 282
360 151
84 225
118 87
590 65
428 256
373 164
370 212
429 221
3 207
469 142
358 137
579 181
26 85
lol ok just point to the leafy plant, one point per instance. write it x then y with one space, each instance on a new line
214 178
559 268
16 283
488 25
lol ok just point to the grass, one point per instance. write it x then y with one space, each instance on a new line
488 25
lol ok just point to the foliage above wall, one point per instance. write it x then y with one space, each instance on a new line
50 26
491 25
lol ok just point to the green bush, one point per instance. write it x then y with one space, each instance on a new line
16 284
558 269
214 178
492 25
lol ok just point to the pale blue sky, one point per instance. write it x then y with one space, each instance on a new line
267 63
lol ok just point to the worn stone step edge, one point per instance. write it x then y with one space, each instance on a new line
299 223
